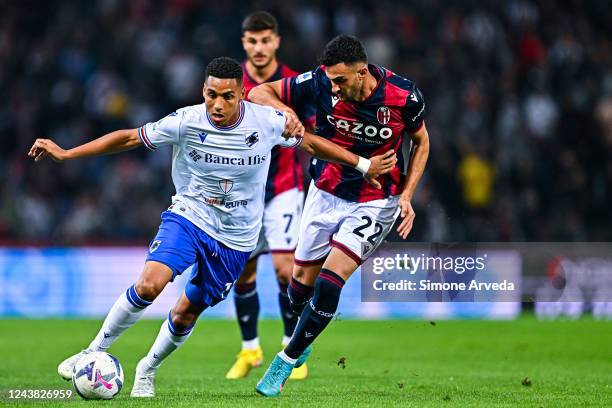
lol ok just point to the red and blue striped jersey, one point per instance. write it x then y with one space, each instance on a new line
285 170
368 128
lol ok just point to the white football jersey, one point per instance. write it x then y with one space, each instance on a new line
220 173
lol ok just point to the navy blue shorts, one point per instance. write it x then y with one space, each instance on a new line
180 244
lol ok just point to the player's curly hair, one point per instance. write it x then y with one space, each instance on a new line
225 68
260 21
344 48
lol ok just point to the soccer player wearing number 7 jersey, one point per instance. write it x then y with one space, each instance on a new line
283 204
366 109
220 161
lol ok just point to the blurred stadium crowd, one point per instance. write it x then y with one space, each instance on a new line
519 107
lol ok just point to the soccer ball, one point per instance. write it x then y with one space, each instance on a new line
97 375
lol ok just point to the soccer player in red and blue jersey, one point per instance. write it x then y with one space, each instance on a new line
366 109
284 197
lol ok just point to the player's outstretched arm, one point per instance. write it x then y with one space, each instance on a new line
114 142
324 149
415 171
269 94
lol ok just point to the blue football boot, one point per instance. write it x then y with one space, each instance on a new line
275 377
302 359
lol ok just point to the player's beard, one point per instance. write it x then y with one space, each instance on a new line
349 95
263 65
352 94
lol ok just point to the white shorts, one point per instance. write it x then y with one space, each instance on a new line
281 223
357 229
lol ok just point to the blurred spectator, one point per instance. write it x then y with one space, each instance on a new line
476 176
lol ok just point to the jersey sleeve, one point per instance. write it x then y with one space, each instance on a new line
163 132
414 111
278 126
300 91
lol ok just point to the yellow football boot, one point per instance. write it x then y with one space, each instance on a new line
246 360
299 373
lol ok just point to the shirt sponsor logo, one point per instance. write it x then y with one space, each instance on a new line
195 155
358 130
224 203
210 158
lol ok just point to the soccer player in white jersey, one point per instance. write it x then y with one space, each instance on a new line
220 162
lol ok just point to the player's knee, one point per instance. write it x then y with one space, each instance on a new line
298 272
153 280
283 273
147 289
183 319
299 294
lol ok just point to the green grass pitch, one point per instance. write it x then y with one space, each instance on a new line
386 363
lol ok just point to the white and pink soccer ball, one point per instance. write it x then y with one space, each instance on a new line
97 375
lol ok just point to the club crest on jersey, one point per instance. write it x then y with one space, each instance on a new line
252 139
202 136
383 115
226 185
154 245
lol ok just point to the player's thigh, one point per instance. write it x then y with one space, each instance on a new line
249 274
281 220
340 263
365 227
152 280
216 270
171 252
320 219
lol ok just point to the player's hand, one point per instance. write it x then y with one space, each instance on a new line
46 147
381 164
407 215
293 126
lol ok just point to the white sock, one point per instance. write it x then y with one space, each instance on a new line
125 312
286 358
286 340
165 343
250 344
